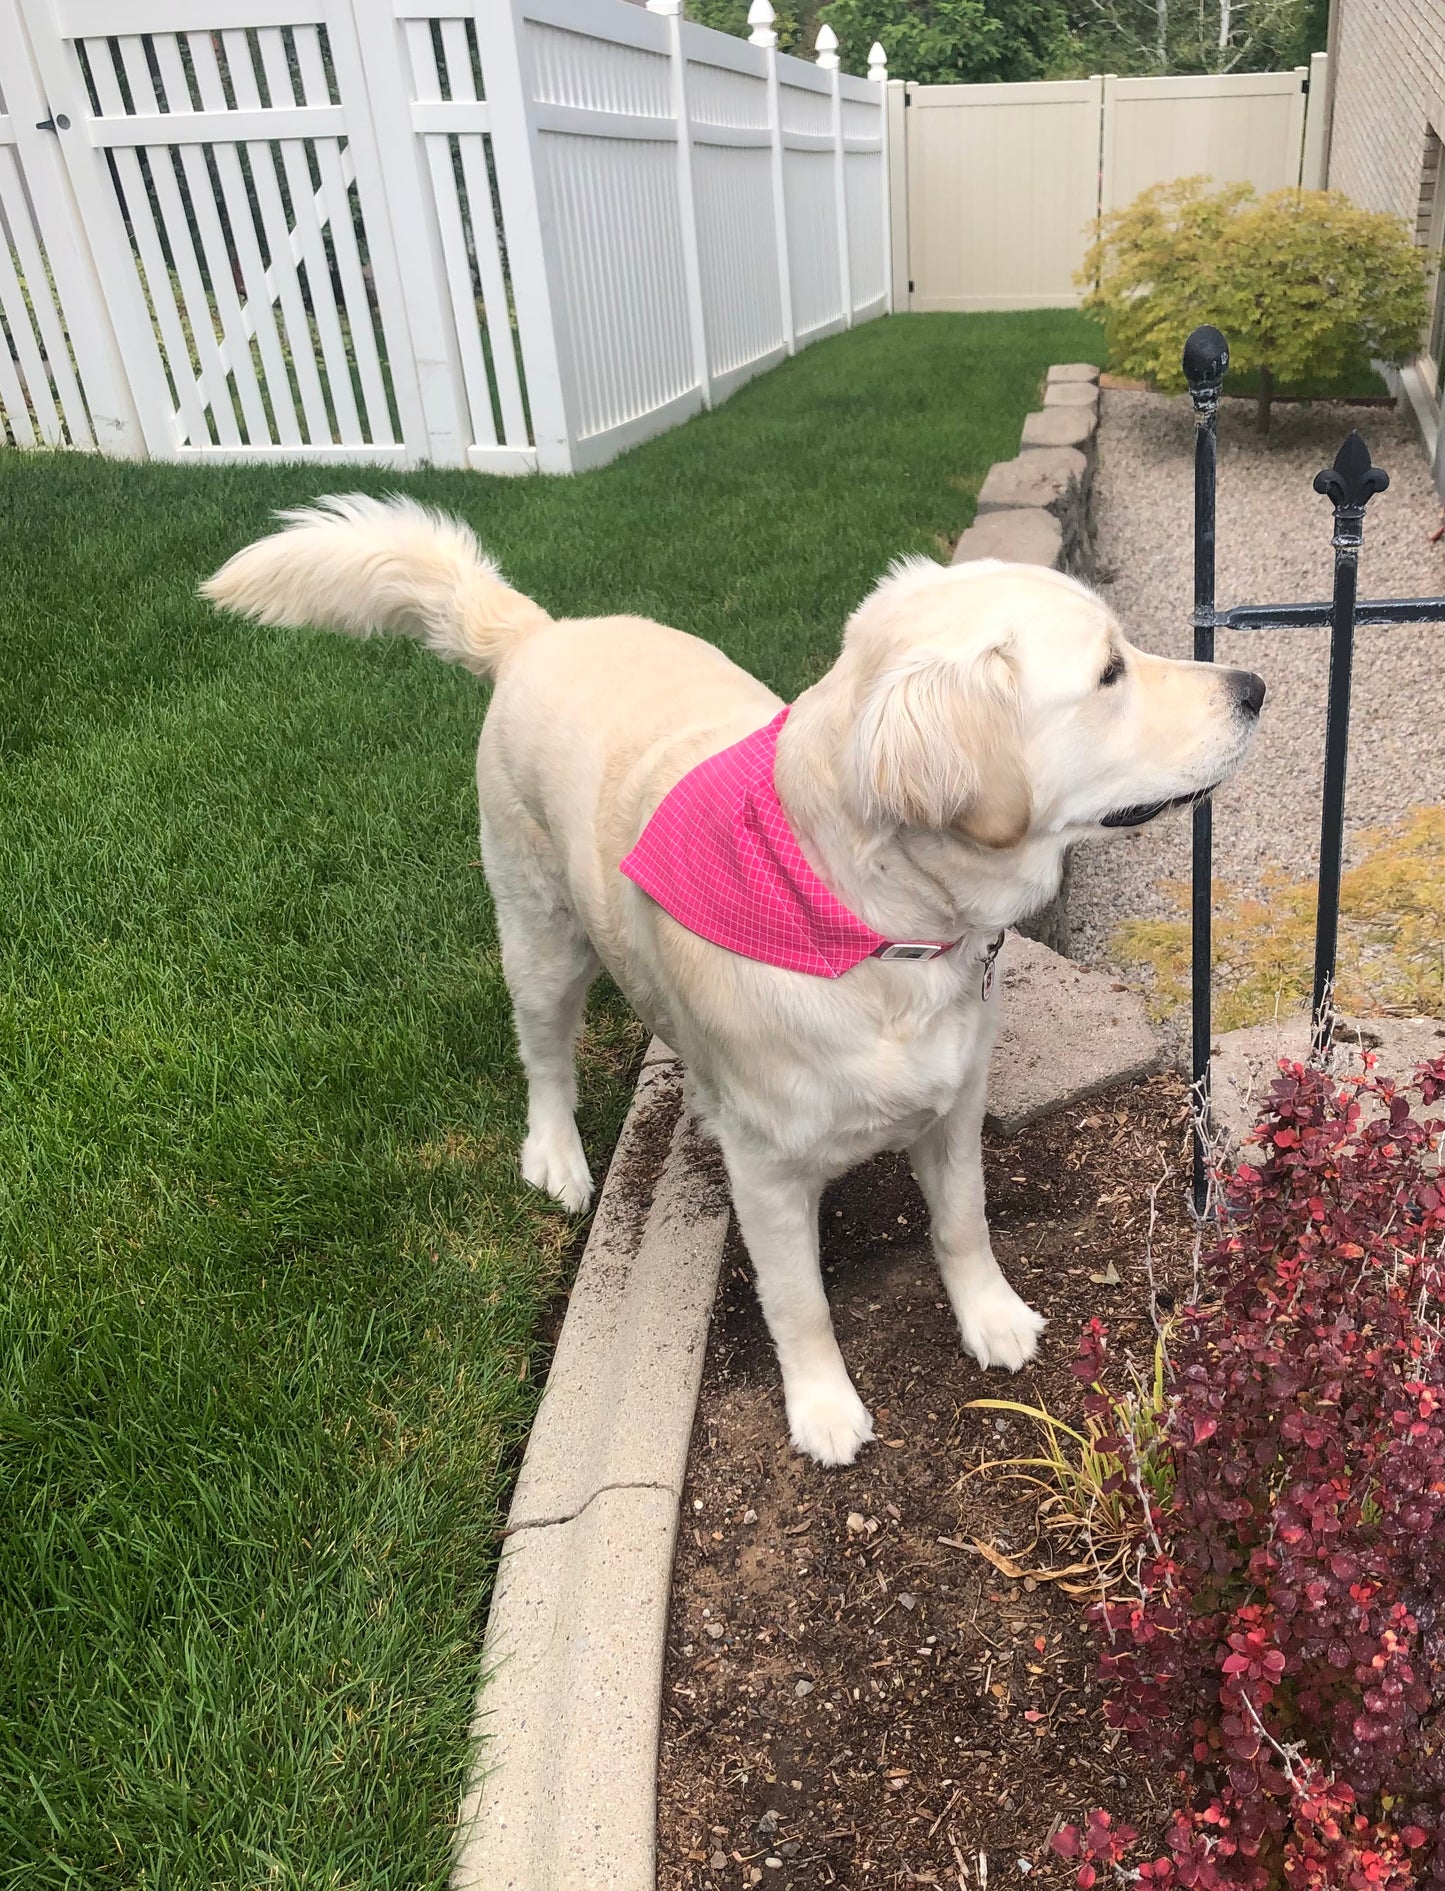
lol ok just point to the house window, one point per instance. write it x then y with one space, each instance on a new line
1430 231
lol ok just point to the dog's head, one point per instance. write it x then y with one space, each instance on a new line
1002 702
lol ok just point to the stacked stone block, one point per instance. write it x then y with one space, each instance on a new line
1036 510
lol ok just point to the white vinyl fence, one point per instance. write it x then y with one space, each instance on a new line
510 234
996 187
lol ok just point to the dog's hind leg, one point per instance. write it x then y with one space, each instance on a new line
998 1328
777 1211
549 964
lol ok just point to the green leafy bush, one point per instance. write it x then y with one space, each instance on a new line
1304 284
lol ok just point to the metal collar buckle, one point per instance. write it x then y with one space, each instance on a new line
912 949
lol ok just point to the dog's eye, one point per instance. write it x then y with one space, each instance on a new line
1114 671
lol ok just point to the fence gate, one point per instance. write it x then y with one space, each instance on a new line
61 378
229 186
1245 127
1002 188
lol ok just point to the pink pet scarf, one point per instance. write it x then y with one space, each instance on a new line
720 856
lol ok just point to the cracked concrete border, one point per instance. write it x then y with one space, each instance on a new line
563 1790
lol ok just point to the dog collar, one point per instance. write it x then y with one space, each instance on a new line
720 856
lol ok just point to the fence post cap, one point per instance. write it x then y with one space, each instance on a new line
877 63
1206 354
664 6
827 48
760 19
1206 357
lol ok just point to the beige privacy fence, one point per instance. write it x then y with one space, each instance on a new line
506 234
995 186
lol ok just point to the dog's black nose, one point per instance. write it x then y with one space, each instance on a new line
1248 691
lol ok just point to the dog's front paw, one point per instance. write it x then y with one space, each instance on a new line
998 1328
552 1160
829 1424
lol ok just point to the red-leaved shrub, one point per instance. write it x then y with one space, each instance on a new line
1286 1646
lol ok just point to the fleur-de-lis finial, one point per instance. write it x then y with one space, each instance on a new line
1352 482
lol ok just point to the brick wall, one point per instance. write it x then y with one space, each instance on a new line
1389 95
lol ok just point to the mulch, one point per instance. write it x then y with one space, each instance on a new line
854 1696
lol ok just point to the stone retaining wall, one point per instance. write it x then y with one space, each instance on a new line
1038 510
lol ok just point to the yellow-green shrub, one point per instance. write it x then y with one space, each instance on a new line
1303 283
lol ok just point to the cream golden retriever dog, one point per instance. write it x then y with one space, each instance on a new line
979 720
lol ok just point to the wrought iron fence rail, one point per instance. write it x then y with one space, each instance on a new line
1377 613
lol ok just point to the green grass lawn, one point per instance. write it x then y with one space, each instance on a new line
271 1281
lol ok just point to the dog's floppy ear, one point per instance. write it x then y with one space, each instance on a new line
940 746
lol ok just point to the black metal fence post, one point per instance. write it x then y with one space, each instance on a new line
1349 484
1206 357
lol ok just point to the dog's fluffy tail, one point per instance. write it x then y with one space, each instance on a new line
362 566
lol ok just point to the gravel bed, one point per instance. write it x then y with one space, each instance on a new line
1274 546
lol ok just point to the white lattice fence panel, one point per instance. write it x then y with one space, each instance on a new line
737 248
599 86
805 104
813 242
62 382
810 194
505 233
863 187
451 115
41 402
864 183
235 160
614 205
732 178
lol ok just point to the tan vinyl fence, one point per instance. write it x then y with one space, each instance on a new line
995 187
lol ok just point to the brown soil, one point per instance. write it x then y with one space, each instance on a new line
877 1706
634 1178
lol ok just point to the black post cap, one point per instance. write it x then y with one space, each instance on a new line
1206 357
1205 362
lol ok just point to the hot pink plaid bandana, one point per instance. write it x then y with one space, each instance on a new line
720 856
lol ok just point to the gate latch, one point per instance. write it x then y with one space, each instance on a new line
58 123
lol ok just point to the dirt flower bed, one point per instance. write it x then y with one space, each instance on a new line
856 1695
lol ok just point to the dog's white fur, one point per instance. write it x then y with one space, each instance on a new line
934 778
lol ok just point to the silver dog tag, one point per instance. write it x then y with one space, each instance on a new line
989 962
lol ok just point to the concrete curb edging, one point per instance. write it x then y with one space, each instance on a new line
563 1790
1068 1031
